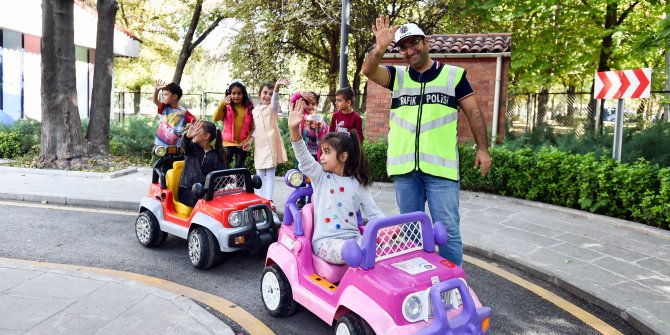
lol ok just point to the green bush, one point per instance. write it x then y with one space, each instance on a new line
656 205
636 191
508 175
594 182
29 135
10 144
133 139
650 144
375 153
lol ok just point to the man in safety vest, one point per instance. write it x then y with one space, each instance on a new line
423 140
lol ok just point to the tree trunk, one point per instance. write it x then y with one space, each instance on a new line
364 95
359 98
542 102
186 49
137 101
62 141
606 43
333 67
101 104
356 86
189 44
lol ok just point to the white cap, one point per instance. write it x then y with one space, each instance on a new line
407 30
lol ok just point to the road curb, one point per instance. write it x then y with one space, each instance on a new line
68 173
100 203
633 318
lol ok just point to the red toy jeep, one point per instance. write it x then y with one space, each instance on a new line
227 217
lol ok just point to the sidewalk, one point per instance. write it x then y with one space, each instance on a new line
622 266
37 299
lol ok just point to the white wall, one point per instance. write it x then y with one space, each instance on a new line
12 70
32 79
81 66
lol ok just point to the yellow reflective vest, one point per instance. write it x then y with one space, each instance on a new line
423 125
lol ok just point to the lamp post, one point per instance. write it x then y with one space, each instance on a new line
344 43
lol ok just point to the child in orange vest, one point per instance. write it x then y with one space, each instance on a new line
235 113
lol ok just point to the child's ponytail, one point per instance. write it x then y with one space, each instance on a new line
356 165
362 169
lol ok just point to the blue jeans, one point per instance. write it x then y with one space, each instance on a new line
413 189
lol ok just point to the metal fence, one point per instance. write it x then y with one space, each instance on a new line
141 103
572 112
202 105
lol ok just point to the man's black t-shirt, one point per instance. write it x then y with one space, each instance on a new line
463 89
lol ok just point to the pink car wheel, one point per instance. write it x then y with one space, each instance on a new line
352 324
276 292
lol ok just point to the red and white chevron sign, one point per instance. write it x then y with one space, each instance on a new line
622 84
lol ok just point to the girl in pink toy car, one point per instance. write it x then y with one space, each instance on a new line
340 185
392 280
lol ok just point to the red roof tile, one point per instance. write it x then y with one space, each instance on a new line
467 43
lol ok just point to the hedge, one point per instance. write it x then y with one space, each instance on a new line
20 138
10 144
637 191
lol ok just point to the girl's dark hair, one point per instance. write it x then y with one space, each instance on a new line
269 85
317 96
356 165
246 101
215 133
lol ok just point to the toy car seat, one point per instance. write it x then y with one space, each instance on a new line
331 272
172 178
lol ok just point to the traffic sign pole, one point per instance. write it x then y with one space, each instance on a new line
618 132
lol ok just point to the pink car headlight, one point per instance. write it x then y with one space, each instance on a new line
416 306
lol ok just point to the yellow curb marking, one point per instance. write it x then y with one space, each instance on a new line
225 307
67 208
584 316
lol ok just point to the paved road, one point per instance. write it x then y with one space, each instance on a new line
108 241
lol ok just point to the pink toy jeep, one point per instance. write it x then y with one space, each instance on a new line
394 283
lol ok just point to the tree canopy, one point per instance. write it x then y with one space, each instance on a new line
163 27
555 43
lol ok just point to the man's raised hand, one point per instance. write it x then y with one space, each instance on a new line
384 33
